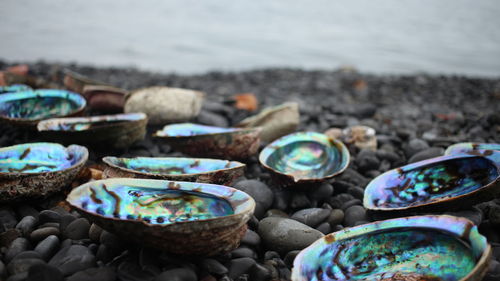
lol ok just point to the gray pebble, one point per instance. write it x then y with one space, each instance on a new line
324 228
290 257
26 225
324 191
28 255
284 235
427 153
414 146
26 210
367 160
22 265
259 272
48 247
73 259
260 192
281 199
276 213
240 266
350 203
3 270
357 192
95 232
251 238
354 214
336 217
177 274
18 277
49 216
299 200
42 233
214 266
77 229
212 119
65 221
311 217
17 246
243 252
94 274
44 272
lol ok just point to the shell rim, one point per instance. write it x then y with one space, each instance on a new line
79 100
369 206
42 126
236 131
484 257
80 161
107 161
264 155
250 209
474 146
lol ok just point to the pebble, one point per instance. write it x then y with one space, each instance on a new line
65 221
26 210
259 272
276 213
48 216
311 217
354 214
367 160
48 247
324 191
17 246
243 252
427 153
351 203
73 259
212 119
284 235
414 146
324 228
22 265
494 215
18 277
44 272
240 266
251 238
77 229
357 192
3 270
42 233
94 274
214 266
7 219
177 274
132 272
281 199
260 192
336 217
28 255
26 225
299 200
290 257
95 232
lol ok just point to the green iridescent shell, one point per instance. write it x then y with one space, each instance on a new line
180 217
35 170
205 170
29 107
304 157
118 131
412 248
441 183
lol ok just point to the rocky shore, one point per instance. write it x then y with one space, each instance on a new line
415 118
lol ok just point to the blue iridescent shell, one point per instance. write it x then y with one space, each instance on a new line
471 148
208 141
305 157
444 182
175 168
38 169
118 131
14 88
181 217
412 248
29 107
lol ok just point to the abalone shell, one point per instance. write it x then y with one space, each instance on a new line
208 141
305 157
14 88
29 107
471 148
412 248
180 217
38 169
441 183
118 131
214 171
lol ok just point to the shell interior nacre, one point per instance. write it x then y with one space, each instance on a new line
423 248
87 123
158 202
471 148
189 129
171 166
36 158
306 156
14 88
431 180
40 104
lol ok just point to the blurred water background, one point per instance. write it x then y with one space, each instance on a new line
193 36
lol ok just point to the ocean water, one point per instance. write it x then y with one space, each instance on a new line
189 36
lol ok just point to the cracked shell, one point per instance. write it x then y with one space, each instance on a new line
205 170
32 170
187 218
304 157
208 141
427 248
440 183
118 131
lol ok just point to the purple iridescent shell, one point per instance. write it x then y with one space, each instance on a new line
118 131
471 148
205 170
421 248
304 157
35 170
179 217
208 141
441 183
14 88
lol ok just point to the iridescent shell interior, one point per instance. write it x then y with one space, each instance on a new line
87 123
40 104
189 129
159 202
14 88
39 157
471 148
431 181
305 155
413 248
171 165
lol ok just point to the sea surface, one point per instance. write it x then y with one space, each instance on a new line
195 36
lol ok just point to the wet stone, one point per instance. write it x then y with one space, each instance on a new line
17 246
26 225
239 266
311 217
77 229
44 272
48 247
213 266
42 233
354 214
94 274
177 274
